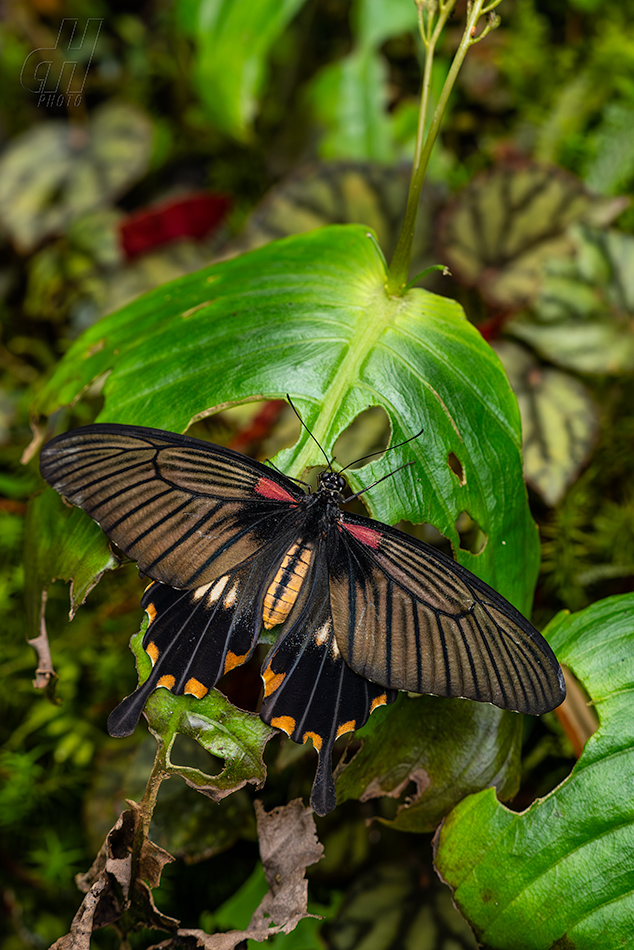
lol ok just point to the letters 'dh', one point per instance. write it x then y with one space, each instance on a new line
52 73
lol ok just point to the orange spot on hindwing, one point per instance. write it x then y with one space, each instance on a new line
152 651
285 723
166 681
378 701
283 592
195 688
317 740
272 681
346 727
232 660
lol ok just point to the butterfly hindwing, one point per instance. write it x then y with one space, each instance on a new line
410 618
194 637
187 511
310 691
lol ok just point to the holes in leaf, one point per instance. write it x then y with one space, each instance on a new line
243 685
472 537
188 753
259 429
310 477
456 467
368 433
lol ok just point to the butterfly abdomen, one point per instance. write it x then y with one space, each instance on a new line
287 584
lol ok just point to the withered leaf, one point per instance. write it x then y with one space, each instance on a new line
119 883
288 845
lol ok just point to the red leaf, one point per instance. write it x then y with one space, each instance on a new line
193 216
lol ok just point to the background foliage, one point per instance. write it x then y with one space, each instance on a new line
317 110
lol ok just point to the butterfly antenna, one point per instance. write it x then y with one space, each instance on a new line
290 402
384 451
280 472
389 475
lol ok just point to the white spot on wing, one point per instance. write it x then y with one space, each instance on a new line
217 589
231 596
200 592
323 634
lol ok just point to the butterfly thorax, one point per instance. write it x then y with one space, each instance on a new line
321 509
332 484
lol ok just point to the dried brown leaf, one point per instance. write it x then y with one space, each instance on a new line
288 845
119 882
44 673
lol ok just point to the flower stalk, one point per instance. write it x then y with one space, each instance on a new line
432 17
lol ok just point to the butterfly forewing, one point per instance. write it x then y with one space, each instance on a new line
410 618
173 504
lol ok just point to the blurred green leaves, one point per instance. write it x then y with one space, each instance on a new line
559 421
504 227
353 97
86 166
398 903
233 41
582 319
350 97
79 554
350 101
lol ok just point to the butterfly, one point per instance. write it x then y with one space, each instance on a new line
232 546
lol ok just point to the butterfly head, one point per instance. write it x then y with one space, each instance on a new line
333 483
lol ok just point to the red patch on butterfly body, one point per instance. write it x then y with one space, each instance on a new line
366 536
270 489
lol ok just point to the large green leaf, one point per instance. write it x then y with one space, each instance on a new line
309 316
233 40
559 875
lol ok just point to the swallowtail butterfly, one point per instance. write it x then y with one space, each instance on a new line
363 610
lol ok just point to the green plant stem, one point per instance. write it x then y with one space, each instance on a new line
430 46
399 267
